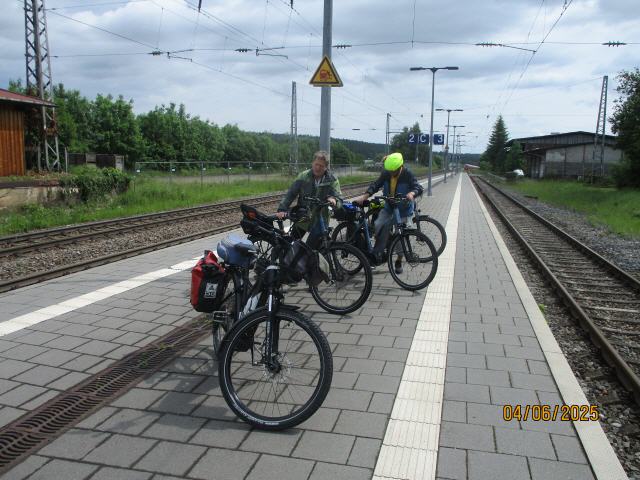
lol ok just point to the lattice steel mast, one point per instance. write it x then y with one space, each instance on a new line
601 126
39 80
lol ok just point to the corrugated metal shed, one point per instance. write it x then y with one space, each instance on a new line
12 125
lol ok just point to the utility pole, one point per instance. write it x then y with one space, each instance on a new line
293 136
601 126
325 100
39 81
446 146
387 135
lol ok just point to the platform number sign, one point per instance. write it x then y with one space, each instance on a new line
438 139
420 138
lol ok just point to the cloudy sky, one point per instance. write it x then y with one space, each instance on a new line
553 90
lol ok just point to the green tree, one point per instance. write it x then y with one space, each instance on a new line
114 127
73 115
400 143
625 122
515 157
495 154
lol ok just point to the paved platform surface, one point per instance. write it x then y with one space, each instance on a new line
175 424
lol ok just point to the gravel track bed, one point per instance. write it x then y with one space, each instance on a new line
622 251
58 256
620 416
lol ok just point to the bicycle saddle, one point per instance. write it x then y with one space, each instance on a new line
235 250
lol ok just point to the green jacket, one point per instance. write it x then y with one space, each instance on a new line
304 186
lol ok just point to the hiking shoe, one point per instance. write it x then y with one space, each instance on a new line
398 267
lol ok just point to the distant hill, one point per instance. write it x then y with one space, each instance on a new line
366 149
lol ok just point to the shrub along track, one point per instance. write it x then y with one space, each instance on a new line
35 257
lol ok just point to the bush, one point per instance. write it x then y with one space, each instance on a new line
92 184
626 174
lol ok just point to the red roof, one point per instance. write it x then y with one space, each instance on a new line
7 96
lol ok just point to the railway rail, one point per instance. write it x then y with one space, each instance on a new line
604 298
16 246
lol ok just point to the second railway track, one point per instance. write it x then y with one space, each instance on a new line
604 298
44 244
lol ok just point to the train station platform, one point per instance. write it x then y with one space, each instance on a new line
419 387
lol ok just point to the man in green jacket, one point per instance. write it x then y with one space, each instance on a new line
316 182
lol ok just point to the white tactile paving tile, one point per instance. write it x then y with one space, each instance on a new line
410 446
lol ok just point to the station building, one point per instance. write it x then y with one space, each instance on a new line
15 110
567 155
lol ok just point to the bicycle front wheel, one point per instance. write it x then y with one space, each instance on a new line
350 281
432 229
284 391
413 260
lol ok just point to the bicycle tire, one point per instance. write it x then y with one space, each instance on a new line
235 342
431 259
346 232
344 277
438 235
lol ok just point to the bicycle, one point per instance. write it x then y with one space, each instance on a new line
424 223
350 278
404 244
274 364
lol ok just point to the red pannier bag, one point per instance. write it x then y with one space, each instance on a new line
208 283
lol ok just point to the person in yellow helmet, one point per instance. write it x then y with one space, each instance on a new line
395 180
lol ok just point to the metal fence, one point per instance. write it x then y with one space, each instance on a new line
220 172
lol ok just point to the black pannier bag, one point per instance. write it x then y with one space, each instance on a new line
301 262
208 284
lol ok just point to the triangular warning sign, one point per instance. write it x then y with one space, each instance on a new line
326 75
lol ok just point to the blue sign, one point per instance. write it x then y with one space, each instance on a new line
438 139
413 138
423 138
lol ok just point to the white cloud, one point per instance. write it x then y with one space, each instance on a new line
559 91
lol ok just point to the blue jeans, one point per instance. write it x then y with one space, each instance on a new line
383 226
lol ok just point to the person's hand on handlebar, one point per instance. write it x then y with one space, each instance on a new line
332 201
411 196
361 199
282 215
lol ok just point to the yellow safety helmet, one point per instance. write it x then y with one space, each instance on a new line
393 161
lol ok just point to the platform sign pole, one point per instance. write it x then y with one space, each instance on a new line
325 101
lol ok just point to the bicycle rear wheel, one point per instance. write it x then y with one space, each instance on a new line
432 229
350 280
417 258
348 232
293 387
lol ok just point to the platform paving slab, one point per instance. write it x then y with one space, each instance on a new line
186 430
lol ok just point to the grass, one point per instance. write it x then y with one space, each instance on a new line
616 210
144 196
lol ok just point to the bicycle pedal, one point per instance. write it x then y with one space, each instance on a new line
220 317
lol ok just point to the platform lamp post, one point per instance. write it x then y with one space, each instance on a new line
433 89
454 137
446 143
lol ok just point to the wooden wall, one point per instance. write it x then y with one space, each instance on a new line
12 160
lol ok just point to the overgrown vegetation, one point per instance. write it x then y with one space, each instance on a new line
625 122
93 184
617 210
145 195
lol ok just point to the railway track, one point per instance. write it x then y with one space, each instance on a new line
604 298
17 246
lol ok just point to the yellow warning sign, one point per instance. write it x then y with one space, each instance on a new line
326 75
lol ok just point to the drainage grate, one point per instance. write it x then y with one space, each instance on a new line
34 430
